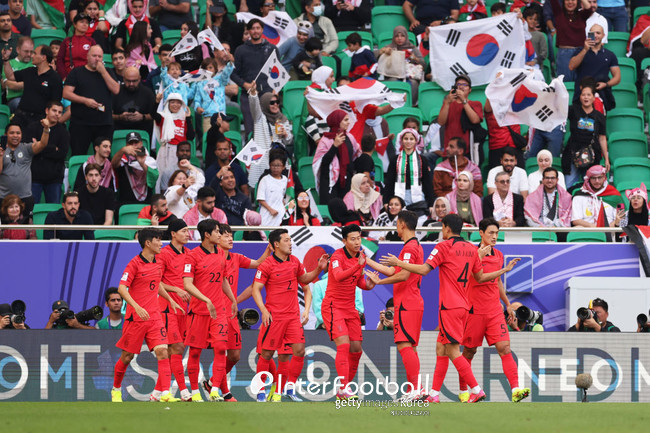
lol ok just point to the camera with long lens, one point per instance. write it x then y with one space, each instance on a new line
584 313
18 308
388 314
642 321
531 317
248 317
85 316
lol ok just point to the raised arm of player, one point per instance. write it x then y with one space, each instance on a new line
163 293
386 270
482 277
225 287
308 297
391 260
188 284
257 296
365 284
504 298
255 263
124 293
308 277
247 293
399 277
182 293
338 274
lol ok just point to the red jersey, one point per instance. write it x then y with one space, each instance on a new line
281 281
234 261
344 275
407 293
485 298
208 268
456 259
172 262
143 279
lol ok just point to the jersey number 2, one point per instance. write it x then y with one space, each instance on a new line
463 275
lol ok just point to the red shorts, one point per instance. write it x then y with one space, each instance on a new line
452 325
234 334
491 326
279 333
286 349
176 325
134 333
203 331
339 322
407 325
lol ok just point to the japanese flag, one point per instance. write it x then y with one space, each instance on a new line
276 75
188 43
476 48
251 154
517 98
208 36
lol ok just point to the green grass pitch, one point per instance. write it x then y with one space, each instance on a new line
322 417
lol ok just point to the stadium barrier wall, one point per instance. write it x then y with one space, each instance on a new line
63 365
78 272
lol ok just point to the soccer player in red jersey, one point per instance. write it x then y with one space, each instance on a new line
456 259
486 317
282 323
340 317
172 260
204 274
409 305
140 287
234 261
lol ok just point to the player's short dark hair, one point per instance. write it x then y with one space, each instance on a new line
92 166
367 143
352 228
600 303
498 7
454 222
249 25
409 120
460 143
205 192
549 169
156 198
207 227
110 291
313 44
487 222
276 235
165 47
224 228
390 303
409 218
529 12
353 39
278 154
148 234
508 151
47 52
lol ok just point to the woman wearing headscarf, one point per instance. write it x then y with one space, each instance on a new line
408 176
271 129
363 199
544 160
463 201
441 208
137 12
637 215
333 162
415 64
321 79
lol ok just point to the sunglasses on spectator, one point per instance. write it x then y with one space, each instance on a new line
274 102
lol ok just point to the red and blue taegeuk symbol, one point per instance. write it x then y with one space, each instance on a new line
275 72
482 49
523 99
256 156
271 35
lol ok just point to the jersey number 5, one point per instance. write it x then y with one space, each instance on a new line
462 278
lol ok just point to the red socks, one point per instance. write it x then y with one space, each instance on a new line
176 362
510 369
461 382
354 364
295 368
164 374
465 371
120 370
411 365
193 367
442 363
342 362
219 363
281 378
229 365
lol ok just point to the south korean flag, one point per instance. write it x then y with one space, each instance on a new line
276 75
188 43
477 48
517 98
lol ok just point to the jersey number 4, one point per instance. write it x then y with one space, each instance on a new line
462 278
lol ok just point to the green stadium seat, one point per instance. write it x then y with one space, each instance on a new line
396 117
74 165
128 215
625 119
641 10
401 87
45 36
40 213
119 139
544 237
632 170
366 39
306 172
627 144
293 97
617 43
114 235
628 70
586 237
235 138
331 62
346 61
238 120
570 87
430 97
384 18
386 38
625 95
171 36
476 237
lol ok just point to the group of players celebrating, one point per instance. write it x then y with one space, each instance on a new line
159 282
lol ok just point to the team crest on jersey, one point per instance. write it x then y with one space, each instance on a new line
335 264
188 268
125 276
258 274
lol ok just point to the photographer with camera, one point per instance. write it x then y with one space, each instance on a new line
594 318
63 317
524 319
13 316
642 323
386 317
115 318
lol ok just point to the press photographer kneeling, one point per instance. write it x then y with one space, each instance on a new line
594 318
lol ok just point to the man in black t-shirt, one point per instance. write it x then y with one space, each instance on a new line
229 199
97 200
41 84
69 214
134 106
90 89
